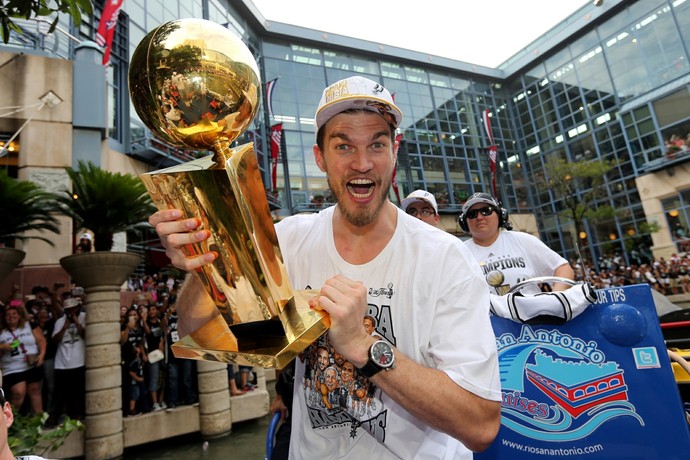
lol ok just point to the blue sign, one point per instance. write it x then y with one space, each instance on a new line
599 387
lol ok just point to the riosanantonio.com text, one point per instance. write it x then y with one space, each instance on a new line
553 451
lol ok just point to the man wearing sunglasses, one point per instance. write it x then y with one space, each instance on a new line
422 205
506 257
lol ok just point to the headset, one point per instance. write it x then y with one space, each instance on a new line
500 210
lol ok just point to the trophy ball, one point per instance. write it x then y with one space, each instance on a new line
495 278
194 83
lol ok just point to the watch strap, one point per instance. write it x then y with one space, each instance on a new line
370 369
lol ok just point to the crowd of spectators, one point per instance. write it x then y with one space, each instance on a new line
42 351
668 277
153 378
676 145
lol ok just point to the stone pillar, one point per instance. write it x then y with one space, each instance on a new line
104 438
101 274
215 414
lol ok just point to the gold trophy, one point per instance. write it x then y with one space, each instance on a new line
196 85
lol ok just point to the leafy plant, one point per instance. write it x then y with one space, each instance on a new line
650 227
29 9
28 435
105 202
26 206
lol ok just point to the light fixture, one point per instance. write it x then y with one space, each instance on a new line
583 236
673 213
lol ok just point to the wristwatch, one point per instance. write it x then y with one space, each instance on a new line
381 357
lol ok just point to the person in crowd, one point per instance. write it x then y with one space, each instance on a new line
131 337
154 340
245 380
149 288
353 251
232 381
422 205
135 283
132 332
85 243
135 374
282 403
179 370
70 370
506 257
123 316
45 321
23 351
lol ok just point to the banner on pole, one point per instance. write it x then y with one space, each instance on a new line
276 136
106 28
493 150
270 87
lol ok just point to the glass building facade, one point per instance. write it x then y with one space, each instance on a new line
615 87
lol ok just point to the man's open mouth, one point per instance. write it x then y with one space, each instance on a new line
361 188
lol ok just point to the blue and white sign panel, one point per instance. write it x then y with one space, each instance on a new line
598 387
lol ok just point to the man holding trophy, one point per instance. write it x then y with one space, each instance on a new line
426 383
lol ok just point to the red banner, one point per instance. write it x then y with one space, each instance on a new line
106 28
492 150
394 181
276 136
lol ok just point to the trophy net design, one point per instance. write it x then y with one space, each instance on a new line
196 86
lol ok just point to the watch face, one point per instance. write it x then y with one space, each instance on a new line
382 354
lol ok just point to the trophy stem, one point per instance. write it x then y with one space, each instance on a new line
222 151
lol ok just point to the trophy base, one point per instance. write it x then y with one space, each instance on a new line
272 343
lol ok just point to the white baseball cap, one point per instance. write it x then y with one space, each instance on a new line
71 302
420 195
356 93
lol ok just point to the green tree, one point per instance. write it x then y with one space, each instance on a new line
105 202
579 186
24 207
29 9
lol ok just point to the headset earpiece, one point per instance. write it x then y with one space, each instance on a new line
462 221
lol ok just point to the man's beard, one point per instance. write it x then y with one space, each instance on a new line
361 217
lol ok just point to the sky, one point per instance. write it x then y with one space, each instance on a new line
482 32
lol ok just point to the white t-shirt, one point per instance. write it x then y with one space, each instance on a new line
70 351
14 360
429 300
514 257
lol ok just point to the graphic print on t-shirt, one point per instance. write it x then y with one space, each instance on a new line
502 273
335 392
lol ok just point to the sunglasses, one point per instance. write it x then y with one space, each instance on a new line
486 212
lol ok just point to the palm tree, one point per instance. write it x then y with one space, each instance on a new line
24 207
105 202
